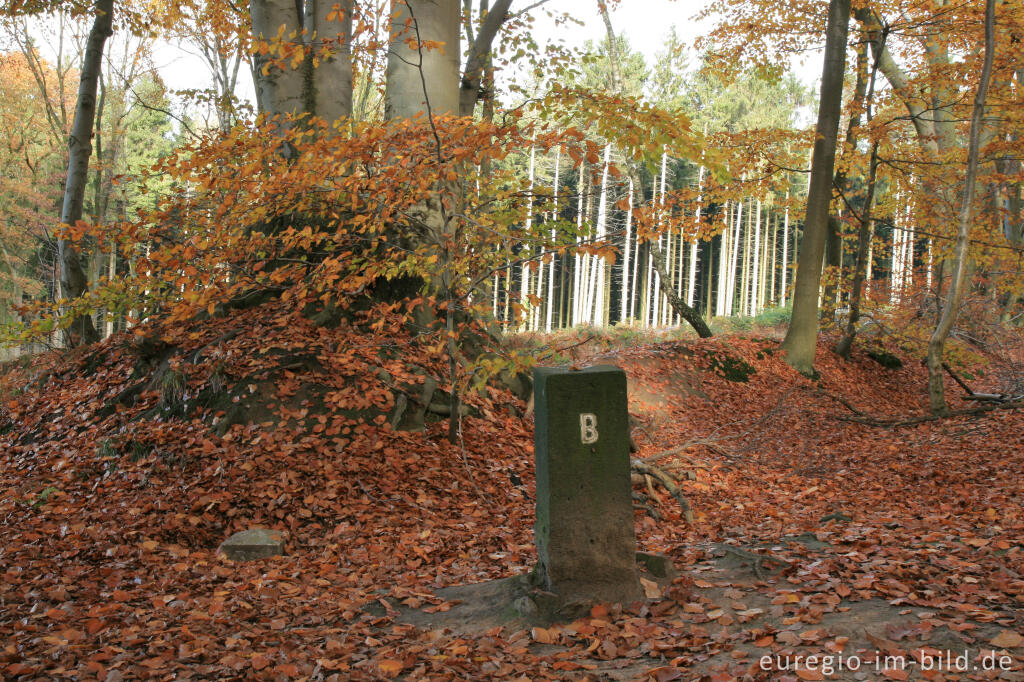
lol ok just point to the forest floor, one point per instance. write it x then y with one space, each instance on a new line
897 550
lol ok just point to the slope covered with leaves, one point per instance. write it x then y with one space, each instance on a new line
813 533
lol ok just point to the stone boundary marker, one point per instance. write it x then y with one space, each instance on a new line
586 541
255 543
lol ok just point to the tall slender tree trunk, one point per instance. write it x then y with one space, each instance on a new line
734 249
624 301
802 335
551 267
860 268
685 312
723 261
936 345
73 281
784 285
691 284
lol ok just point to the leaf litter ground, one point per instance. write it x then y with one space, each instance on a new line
814 536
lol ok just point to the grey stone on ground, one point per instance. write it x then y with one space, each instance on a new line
255 543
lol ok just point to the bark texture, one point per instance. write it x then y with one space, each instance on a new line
937 343
73 280
423 78
802 335
678 304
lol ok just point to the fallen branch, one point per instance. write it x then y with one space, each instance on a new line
960 382
914 421
708 443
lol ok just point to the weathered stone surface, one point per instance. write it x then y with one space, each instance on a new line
255 543
658 565
586 542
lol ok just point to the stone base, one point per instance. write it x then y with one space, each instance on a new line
252 544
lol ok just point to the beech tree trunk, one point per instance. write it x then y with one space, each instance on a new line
860 269
324 89
937 343
421 80
330 97
280 90
73 280
802 335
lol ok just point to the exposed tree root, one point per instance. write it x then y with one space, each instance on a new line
756 561
1015 404
667 482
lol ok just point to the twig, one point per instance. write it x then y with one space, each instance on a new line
913 421
711 444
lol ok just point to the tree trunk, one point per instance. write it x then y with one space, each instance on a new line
936 345
421 80
72 276
802 335
864 240
624 298
678 304
331 44
280 90
479 55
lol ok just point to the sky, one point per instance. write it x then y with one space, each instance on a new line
646 23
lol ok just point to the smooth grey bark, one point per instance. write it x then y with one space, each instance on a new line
802 335
280 90
321 85
834 243
331 43
936 345
422 80
73 280
860 268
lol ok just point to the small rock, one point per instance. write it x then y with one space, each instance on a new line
658 565
525 607
255 543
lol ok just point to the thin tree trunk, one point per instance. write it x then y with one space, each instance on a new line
624 303
936 345
599 263
734 249
685 311
524 282
551 266
784 285
802 335
72 277
723 261
864 240
691 284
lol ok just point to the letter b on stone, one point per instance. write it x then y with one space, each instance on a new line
588 428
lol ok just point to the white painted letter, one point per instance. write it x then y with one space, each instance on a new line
588 428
